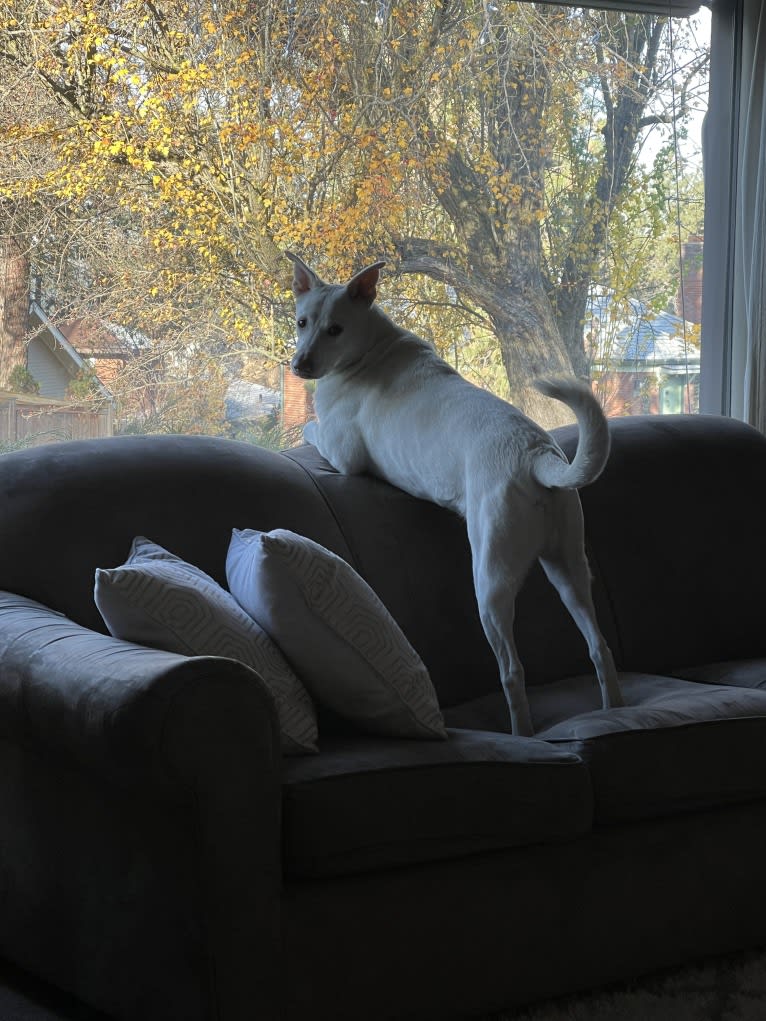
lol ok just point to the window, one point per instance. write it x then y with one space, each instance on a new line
531 172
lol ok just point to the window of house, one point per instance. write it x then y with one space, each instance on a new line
532 174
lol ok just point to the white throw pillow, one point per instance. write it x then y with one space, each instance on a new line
157 599
340 639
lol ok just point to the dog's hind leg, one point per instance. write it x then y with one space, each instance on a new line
566 566
497 578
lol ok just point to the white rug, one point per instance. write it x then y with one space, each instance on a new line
726 989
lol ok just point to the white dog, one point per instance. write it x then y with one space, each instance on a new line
388 405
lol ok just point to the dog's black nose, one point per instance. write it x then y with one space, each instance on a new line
302 366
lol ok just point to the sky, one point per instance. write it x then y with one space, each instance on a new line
691 147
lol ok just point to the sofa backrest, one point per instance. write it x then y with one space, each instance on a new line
68 508
674 530
676 527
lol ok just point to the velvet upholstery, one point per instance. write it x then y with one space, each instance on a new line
160 858
674 747
744 673
366 805
141 816
676 535
68 508
488 932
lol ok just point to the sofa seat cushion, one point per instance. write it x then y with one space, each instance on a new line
369 803
742 673
675 746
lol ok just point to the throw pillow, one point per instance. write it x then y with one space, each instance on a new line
346 647
157 599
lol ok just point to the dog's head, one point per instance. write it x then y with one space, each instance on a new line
333 321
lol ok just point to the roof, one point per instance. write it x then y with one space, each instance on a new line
635 333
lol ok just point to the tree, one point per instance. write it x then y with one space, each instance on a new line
21 381
633 72
14 308
174 151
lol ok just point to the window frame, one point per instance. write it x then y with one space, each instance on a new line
720 361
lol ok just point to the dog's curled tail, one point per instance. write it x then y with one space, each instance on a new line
550 469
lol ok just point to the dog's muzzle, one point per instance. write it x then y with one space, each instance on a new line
302 366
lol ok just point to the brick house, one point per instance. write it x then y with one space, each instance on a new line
297 399
289 406
642 362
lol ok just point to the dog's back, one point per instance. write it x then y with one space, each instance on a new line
424 427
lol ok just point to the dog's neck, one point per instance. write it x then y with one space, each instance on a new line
382 326
384 335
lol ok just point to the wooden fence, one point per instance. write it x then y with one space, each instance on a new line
27 421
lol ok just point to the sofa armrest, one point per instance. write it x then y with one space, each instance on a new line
116 706
190 741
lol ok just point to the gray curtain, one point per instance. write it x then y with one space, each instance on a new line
750 261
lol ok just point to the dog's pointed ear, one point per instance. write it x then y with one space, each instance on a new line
304 278
364 284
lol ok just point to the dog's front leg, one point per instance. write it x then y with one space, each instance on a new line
339 442
311 433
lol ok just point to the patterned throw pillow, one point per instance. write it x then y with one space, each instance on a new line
346 647
157 599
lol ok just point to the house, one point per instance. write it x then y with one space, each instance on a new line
48 412
52 358
643 362
248 403
297 399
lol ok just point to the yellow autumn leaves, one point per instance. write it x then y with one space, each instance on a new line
178 148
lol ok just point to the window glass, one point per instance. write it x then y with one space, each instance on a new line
530 173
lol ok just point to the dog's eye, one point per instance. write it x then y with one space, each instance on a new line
301 322
334 330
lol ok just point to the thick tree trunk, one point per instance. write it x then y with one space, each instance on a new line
531 347
515 302
570 312
14 307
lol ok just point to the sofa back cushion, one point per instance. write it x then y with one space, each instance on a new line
68 508
677 533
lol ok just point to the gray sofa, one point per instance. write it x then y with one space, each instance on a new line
160 859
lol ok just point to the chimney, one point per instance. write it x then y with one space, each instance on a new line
689 298
14 306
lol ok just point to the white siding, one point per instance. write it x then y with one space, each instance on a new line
47 370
